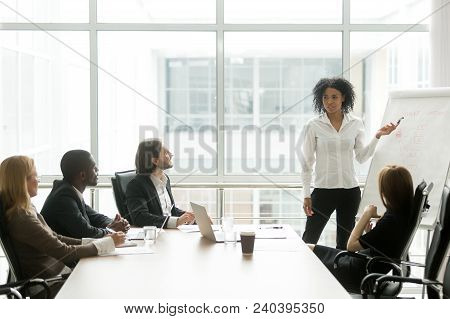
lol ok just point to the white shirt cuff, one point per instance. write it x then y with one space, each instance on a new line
104 245
306 192
373 143
85 241
172 222
372 146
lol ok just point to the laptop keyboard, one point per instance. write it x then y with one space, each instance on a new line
136 236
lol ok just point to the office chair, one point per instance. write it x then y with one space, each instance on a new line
15 272
119 184
17 285
21 289
420 204
434 260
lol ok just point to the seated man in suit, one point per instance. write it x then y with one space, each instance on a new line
65 210
149 196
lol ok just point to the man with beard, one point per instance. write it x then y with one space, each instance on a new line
65 210
149 195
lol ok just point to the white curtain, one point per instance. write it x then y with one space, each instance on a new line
440 43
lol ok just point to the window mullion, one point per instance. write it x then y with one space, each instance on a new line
93 78
220 88
346 39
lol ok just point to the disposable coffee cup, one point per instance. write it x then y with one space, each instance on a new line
247 242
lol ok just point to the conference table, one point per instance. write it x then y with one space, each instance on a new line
186 265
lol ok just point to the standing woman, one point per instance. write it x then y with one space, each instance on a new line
331 141
41 252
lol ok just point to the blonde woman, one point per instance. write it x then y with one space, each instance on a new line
41 252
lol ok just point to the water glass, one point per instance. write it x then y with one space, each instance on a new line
230 236
149 234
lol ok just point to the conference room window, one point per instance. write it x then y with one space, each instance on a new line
269 77
384 61
44 11
164 83
423 74
283 11
393 68
272 206
191 92
265 204
206 196
183 197
157 84
277 206
388 12
156 11
44 95
239 90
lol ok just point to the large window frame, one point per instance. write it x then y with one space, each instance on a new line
222 181
219 28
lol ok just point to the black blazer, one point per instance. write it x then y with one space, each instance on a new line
67 215
143 202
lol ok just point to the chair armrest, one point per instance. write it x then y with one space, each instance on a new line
401 279
57 278
10 291
24 285
38 282
368 283
348 253
393 263
412 264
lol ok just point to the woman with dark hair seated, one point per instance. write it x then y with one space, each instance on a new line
41 252
387 238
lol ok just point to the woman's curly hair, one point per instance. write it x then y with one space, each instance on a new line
340 84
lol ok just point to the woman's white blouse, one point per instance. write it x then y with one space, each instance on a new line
332 152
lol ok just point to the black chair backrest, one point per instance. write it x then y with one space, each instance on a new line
439 242
392 289
419 201
120 206
446 284
15 272
119 184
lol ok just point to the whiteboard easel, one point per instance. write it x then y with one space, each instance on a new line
421 143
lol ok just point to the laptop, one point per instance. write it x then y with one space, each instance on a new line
204 224
206 229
